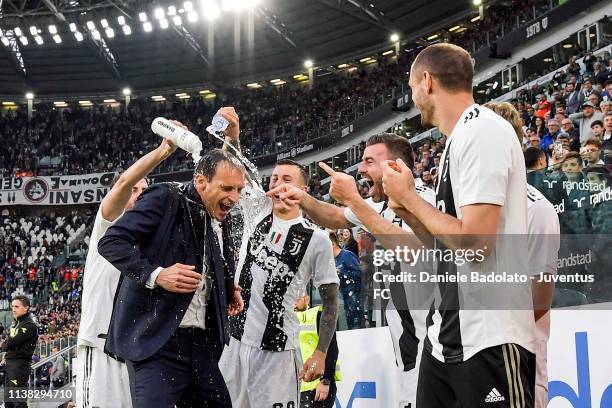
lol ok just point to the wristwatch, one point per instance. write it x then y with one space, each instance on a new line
325 381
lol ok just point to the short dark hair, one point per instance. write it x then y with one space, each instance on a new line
397 145
449 64
593 142
573 155
25 302
532 155
596 122
289 162
207 166
334 238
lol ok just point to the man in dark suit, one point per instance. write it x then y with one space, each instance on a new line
170 318
572 98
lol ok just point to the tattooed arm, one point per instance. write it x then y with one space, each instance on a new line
329 315
314 367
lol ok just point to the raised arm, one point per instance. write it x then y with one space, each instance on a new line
232 133
324 214
476 230
114 202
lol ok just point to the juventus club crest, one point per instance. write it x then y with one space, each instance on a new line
296 245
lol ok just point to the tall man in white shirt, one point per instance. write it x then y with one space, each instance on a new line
479 346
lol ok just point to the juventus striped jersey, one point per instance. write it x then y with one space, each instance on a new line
276 263
406 324
543 241
482 164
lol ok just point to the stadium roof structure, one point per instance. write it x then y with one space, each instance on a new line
63 47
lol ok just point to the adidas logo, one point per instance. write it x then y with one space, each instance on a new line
494 396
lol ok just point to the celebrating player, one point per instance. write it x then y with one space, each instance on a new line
406 324
277 260
477 354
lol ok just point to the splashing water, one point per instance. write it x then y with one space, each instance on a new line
252 198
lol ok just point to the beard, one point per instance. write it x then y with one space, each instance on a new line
427 114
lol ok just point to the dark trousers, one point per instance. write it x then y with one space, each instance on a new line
497 377
307 398
17 374
184 372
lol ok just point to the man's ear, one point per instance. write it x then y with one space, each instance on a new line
200 181
305 188
427 82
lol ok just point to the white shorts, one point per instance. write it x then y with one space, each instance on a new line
407 387
257 378
541 384
101 381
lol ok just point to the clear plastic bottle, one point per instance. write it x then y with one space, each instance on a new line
184 139
218 125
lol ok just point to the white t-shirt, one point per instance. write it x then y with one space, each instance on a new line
543 240
483 164
276 263
100 280
407 326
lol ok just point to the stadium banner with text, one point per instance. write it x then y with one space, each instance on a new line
579 362
55 190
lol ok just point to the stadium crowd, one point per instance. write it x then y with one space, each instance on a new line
572 111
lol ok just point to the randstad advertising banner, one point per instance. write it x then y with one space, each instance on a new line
55 190
579 363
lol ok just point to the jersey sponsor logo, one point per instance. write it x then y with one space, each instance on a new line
269 261
494 396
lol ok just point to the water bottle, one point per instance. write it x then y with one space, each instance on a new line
218 125
184 139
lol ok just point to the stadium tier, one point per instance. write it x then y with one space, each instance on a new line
395 204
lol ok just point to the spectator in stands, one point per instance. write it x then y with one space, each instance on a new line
567 126
606 144
597 128
534 139
543 106
585 119
599 75
539 126
605 107
572 98
591 153
576 217
530 117
607 94
58 370
427 160
594 99
427 179
348 242
549 138
349 272
573 68
586 90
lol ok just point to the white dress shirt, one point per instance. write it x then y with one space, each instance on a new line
196 312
